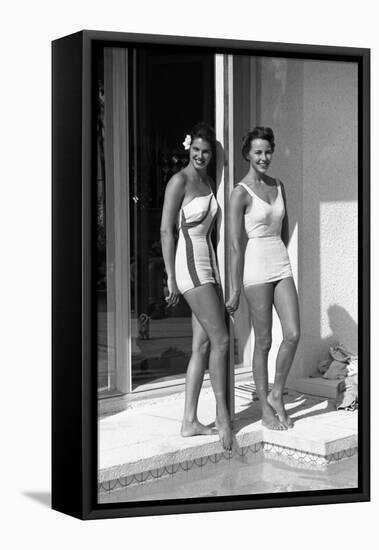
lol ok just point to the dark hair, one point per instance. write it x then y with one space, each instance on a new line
259 132
204 131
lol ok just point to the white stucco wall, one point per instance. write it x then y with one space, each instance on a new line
312 108
328 251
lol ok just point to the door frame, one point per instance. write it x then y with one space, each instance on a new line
118 214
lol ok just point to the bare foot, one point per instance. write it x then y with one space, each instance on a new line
225 433
195 427
278 405
270 421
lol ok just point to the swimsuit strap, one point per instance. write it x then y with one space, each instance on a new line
245 186
252 194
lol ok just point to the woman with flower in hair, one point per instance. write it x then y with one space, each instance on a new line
258 210
192 271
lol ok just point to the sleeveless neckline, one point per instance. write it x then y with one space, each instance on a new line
251 192
197 197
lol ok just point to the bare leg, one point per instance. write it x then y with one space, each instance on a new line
207 307
286 305
260 299
194 379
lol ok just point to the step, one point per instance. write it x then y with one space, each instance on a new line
145 443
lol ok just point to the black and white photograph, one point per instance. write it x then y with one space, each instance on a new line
189 275
227 320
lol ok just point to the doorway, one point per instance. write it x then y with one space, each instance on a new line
171 92
151 99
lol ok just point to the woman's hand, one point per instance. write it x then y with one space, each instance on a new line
233 303
173 293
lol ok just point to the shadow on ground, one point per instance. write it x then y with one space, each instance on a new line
298 406
42 497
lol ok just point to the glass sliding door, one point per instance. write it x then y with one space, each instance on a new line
166 104
148 99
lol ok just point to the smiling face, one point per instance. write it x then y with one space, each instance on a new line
200 153
260 155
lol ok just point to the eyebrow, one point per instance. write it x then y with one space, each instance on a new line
196 147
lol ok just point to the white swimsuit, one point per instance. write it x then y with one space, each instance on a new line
266 256
195 260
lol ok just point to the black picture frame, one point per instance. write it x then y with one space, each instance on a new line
74 397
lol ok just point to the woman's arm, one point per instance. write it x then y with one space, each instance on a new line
173 199
285 225
237 245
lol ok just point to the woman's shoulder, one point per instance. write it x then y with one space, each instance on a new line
239 193
177 182
240 189
272 181
279 183
276 181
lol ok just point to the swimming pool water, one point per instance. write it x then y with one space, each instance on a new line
252 474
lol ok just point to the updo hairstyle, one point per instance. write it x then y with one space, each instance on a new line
204 131
259 132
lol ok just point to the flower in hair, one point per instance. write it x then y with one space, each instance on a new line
187 142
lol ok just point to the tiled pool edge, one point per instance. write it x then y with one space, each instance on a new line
172 469
301 457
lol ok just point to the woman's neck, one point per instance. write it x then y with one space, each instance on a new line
256 178
199 174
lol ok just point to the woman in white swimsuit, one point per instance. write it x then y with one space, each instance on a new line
258 209
192 271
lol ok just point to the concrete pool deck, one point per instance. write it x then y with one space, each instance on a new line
145 438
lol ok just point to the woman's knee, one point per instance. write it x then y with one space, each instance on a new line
220 343
292 336
263 342
201 347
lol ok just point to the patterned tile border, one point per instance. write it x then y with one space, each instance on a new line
293 456
307 459
184 466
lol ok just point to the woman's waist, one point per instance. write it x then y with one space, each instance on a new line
195 235
195 241
269 236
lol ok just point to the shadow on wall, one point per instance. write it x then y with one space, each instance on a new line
343 327
343 330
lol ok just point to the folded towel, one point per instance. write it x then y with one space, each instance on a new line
352 367
340 353
347 397
336 370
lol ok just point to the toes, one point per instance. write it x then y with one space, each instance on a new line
286 421
226 441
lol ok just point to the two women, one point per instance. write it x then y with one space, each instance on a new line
257 207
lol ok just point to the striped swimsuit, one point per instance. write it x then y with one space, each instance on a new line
195 260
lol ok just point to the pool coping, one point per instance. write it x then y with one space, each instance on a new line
298 457
314 441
